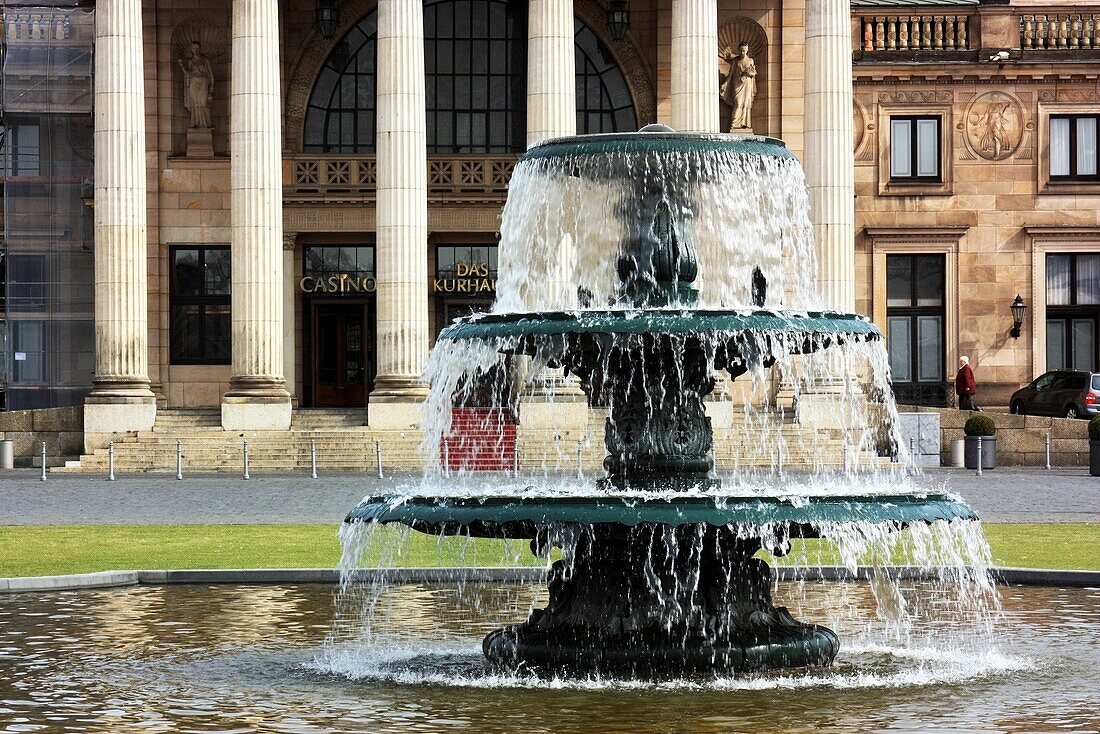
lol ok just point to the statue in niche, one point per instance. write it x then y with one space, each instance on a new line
198 86
739 87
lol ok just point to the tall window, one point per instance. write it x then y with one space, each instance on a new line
1073 143
915 148
199 321
475 64
915 327
1073 310
21 149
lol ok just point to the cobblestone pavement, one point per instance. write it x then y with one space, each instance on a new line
1001 495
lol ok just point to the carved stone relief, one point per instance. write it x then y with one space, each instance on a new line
994 125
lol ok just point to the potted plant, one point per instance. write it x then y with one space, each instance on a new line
980 426
1094 446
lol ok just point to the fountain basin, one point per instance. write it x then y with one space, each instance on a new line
522 517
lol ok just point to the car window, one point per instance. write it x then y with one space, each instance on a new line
1077 382
1096 382
1061 382
1044 381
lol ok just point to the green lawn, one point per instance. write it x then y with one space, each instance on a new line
30 551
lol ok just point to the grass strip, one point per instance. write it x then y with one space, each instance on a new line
63 549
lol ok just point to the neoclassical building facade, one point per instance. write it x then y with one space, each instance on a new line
287 200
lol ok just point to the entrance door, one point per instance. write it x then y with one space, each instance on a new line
340 356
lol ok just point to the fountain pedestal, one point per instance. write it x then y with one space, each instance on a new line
653 599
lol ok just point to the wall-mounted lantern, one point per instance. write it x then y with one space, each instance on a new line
1019 308
327 17
618 19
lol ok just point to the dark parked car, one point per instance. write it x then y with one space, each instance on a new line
1071 394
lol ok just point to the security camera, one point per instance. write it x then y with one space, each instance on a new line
999 56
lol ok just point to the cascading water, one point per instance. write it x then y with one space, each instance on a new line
672 277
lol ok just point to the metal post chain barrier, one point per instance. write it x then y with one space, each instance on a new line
111 461
313 458
378 456
515 460
246 461
43 461
1048 450
912 455
446 458
580 459
980 457
179 459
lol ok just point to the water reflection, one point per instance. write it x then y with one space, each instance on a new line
234 659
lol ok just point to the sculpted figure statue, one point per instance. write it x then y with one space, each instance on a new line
739 87
198 86
995 121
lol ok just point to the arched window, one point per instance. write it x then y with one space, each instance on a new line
475 60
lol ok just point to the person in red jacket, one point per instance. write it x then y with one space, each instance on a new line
965 387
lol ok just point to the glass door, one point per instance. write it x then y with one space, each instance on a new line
915 328
341 356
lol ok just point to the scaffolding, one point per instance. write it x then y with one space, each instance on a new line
47 260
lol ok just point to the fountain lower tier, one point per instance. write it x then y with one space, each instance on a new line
657 586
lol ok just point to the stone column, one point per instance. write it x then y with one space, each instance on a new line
402 217
829 156
551 71
290 295
695 80
257 397
120 399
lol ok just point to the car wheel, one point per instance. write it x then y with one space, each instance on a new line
1018 408
1071 411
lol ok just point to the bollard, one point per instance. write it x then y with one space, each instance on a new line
1048 450
580 460
980 457
378 456
515 460
111 461
313 458
179 459
246 461
43 461
446 458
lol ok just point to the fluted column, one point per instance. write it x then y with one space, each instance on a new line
694 93
257 397
121 399
551 71
829 156
402 229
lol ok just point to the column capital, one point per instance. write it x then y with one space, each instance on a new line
290 241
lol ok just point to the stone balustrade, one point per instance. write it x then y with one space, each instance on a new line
1059 31
915 32
347 174
35 25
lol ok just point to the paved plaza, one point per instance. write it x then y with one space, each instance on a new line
1001 495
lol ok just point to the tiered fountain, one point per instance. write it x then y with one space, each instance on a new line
658 573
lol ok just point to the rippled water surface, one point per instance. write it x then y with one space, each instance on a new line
249 658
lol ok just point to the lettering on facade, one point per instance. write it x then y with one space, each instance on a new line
468 278
339 284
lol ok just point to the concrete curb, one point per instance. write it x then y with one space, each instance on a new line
109 579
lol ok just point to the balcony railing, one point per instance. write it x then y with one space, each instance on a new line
450 176
907 33
1059 32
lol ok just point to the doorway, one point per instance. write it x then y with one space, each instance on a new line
342 355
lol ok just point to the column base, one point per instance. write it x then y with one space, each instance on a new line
256 404
117 408
396 403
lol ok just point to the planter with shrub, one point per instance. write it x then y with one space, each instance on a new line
980 426
1094 446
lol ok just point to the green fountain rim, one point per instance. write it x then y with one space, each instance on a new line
901 509
657 142
663 321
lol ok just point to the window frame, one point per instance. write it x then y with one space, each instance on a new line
941 185
914 313
914 149
202 300
11 155
1070 312
1072 176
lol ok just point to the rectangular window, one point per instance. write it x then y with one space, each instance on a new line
28 351
200 323
1073 148
21 149
915 327
915 148
1073 310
